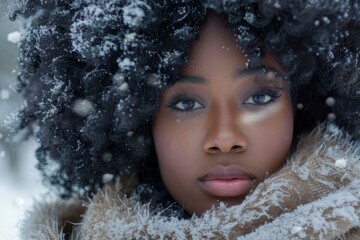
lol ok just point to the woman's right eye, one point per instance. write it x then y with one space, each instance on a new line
186 105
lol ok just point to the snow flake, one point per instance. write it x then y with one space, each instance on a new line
333 129
326 20
129 133
249 17
341 163
295 230
277 5
107 157
331 116
317 23
107 177
126 64
1 136
2 154
4 94
124 87
14 37
330 101
82 107
130 37
118 79
133 14
300 106
19 202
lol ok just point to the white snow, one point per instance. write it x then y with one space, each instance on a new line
14 37
326 20
107 177
331 116
330 101
4 94
300 106
126 63
124 87
341 163
295 230
107 157
133 14
277 5
83 107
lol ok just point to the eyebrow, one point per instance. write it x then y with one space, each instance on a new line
191 79
254 70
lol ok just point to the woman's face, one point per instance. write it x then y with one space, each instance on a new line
223 127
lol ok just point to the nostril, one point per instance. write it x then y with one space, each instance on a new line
213 149
236 148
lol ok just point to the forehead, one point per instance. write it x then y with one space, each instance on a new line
217 50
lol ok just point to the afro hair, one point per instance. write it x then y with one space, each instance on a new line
92 71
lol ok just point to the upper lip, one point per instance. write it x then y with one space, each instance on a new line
225 173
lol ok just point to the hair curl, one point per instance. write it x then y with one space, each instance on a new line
92 71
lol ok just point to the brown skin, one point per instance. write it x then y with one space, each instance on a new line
215 116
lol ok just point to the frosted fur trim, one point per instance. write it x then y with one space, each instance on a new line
312 177
326 218
316 195
47 219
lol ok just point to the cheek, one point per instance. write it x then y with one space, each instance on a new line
270 134
175 147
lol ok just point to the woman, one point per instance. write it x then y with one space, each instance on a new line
194 108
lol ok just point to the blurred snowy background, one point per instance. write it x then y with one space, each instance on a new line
19 180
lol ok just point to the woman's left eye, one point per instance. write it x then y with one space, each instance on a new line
262 98
187 105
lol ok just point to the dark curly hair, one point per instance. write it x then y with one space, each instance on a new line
92 71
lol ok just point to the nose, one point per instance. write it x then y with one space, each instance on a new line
224 133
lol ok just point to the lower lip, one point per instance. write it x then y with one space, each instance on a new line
227 188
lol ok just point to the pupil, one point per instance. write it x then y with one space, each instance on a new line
188 104
259 98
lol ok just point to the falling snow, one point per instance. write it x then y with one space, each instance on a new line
330 101
331 116
83 107
19 202
124 87
107 157
300 106
4 94
14 37
107 177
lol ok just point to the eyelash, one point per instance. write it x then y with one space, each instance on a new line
272 93
178 99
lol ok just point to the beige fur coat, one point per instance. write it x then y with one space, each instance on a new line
315 196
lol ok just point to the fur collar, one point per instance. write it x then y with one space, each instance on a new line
315 196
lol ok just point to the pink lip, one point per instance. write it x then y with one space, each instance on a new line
227 181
